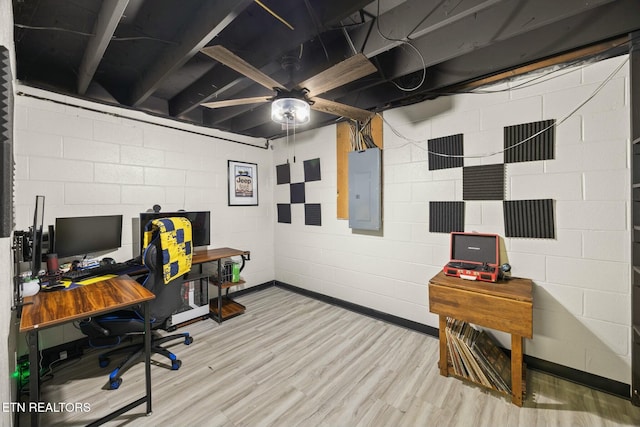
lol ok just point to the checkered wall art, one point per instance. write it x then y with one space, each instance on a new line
297 192
522 218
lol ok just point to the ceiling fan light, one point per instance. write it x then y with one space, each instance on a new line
290 111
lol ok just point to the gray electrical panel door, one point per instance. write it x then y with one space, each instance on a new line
365 195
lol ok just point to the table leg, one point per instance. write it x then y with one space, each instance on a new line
34 375
219 291
444 358
516 369
147 354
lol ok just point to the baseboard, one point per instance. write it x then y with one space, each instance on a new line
399 321
596 382
593 381
252 289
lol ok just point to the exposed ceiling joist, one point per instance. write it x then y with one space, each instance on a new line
412 20
480 30
208 22
106 24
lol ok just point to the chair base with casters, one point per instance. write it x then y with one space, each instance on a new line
135 353
128 324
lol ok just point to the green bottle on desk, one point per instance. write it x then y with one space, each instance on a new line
235 273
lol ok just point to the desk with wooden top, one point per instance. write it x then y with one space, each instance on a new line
48 309
506 305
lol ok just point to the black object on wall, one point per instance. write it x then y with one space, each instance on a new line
522 146
447 146
446 217
484 182
297 192
529 218
283 174
284 213
312 214
6 144
312 170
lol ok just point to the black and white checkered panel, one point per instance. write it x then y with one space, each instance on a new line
522 218
298 192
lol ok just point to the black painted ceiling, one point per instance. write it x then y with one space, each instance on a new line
146 54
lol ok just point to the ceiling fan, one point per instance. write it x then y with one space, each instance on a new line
304 95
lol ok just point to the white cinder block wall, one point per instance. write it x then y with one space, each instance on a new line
582 278
89 163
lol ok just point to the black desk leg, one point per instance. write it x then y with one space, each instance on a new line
34 376
219 291
147 354
147 375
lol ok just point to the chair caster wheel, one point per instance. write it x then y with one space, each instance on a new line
113 385
103 363
175 365
188 340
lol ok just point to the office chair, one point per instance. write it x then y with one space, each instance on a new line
125 323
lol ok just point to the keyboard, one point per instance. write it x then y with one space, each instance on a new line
77 275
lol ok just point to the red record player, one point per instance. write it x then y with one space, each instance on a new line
474 256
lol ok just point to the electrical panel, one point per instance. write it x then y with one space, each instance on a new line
365 189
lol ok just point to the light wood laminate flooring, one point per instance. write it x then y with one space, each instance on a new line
291 360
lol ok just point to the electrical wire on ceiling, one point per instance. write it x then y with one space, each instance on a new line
81 33
404 42
478 156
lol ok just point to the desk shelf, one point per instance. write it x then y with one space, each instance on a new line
223 307
230 308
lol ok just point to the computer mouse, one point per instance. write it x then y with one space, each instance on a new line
107 261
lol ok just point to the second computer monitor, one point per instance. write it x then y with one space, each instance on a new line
200 224
80 236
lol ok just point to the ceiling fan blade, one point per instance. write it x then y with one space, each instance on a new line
338 109
233 61
344 72
239 101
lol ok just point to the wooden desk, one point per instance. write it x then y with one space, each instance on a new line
505 306
47 309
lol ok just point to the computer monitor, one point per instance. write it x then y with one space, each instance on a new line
36 236
200 224
75 236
